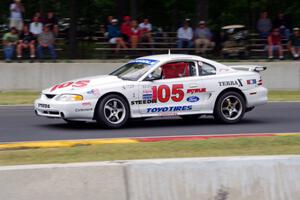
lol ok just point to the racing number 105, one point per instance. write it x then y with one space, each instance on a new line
163 93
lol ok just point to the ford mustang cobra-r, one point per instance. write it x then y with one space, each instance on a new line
158 85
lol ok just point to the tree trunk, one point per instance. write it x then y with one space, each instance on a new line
202 9
73 30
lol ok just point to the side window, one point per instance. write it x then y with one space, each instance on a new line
178 70
206 69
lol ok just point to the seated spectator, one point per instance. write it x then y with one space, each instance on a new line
16 18
146 28
27 41
36 27
126 28
185 35
52 22
108 22
46 41
283 24
114 35
264 25
202 37
38 16
274 44
135 34
10 41
294 43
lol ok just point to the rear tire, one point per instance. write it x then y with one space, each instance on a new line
112 111
230 108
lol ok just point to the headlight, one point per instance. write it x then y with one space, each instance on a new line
69 97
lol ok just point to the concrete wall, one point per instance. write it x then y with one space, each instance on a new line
228 178
37 76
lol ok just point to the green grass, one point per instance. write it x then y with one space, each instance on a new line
13 98
277 145
284 95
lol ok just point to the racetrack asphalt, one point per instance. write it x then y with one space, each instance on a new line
19 123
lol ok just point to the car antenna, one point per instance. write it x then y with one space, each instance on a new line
169 51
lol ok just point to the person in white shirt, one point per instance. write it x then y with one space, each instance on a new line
36 27
185 35
16 19
145 27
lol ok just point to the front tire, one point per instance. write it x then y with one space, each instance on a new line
112 111
230 108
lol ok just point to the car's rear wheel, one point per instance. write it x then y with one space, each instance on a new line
112 112
230 108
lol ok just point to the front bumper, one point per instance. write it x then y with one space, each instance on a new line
66 110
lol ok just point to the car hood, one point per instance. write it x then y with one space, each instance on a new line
75 86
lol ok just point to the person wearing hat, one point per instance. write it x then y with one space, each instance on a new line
202 37
294 43
16 19
114 35
185 35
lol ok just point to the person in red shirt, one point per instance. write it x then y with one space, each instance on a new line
135 34
126 28
274 44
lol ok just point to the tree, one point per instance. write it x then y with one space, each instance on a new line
202 9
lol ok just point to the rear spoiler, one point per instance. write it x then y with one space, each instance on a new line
251 68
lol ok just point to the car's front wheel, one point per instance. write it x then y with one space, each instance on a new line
230 108
112 111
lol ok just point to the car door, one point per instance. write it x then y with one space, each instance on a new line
178 91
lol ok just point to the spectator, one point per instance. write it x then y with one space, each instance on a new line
36 27
274 44
27 41
135 34
39 16
52 22
114 35
126 28
294 43
264 25
146 28
202 37
46 41
10 41
283 24
185 35
108 22
16 19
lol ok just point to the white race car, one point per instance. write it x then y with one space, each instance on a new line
158 85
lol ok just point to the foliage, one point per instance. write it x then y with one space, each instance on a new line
168 13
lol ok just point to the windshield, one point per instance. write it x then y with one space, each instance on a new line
134 69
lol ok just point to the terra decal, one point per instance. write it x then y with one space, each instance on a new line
237 82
